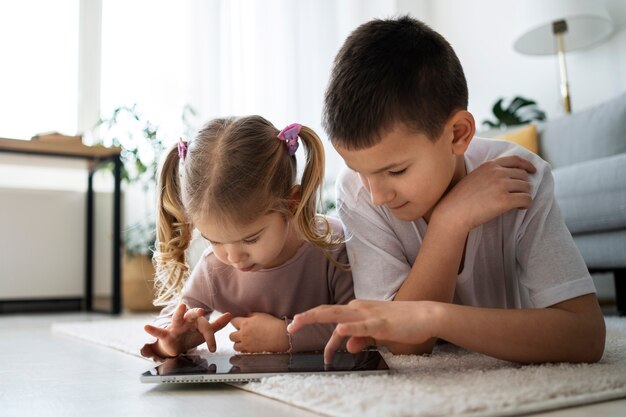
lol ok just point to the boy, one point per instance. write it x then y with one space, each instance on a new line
464 234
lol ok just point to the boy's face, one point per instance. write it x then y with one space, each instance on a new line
406 171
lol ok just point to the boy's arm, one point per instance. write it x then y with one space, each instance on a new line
492 189
433 275
570 331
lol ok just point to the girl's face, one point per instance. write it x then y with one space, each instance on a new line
265 243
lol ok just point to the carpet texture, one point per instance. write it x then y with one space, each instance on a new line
450 382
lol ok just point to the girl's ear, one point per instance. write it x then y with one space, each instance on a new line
463 129
295 196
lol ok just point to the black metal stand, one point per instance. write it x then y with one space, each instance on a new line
87 302
620 290
619 276
116 285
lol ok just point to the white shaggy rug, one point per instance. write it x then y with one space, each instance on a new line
450 382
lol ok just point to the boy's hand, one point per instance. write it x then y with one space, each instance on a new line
492 189
188 329
364 320
260 332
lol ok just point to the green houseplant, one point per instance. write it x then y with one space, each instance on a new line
142 144
519 111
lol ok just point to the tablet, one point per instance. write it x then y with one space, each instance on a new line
252 367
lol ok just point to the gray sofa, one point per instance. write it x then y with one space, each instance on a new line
587 151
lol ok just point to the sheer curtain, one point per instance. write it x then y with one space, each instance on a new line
270 57
226 57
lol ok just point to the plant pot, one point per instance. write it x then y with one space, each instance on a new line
138 284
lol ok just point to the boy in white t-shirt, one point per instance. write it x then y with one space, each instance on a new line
462 233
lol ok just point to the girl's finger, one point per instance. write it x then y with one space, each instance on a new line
157 332
236 322
221 322
235 337
179 313
146 351
194 313
207 332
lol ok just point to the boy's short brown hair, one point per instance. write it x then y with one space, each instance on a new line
390 71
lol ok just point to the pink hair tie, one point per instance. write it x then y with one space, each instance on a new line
182 149
289 135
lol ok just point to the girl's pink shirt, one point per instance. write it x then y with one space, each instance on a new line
305 281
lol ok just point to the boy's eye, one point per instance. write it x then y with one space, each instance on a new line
250 241
396 173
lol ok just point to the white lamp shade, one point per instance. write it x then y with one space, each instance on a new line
588 23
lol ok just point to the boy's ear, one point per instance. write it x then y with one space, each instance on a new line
463 129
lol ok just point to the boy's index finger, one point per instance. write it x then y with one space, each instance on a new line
323 314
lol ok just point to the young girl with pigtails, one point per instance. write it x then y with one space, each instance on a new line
271 255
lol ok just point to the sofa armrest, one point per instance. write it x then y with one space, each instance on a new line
592 194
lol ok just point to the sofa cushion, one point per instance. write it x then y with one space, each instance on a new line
525 136
603 250
592 194
588 134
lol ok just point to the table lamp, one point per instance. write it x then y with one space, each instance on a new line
558 26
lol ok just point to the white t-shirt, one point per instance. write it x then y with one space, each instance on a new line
520 259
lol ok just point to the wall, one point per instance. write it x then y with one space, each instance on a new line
482 33
42 228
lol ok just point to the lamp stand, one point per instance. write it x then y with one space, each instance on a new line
559 28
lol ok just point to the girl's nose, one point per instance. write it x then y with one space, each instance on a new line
236 255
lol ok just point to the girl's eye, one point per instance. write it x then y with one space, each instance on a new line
396 173
251 241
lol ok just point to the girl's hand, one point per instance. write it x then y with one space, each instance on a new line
188 329
492 189
365 322
260 332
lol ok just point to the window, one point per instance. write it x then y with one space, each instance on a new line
38 77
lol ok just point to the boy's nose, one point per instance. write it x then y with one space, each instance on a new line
380 195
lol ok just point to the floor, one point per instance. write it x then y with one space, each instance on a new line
48 374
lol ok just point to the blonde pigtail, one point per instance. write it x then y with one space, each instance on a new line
314 228
173 233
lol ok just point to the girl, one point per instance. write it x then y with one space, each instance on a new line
270 256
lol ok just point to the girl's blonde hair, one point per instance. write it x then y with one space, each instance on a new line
235 170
